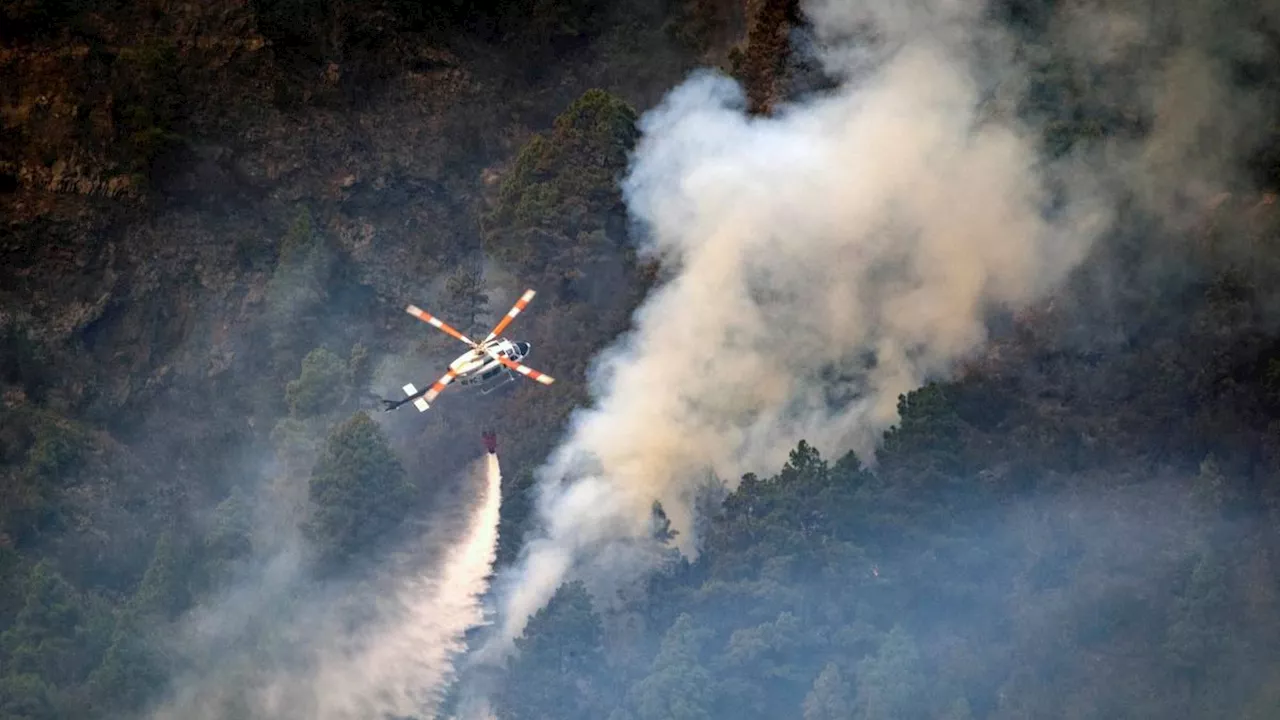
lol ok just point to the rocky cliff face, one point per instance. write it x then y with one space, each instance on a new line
150 173
157 159
162 161
195 196
154 155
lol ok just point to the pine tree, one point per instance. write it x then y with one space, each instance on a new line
678 687
228 538
553 206
829 697
46 639
890 682
163 592
26 697
560 666
321 385
358 490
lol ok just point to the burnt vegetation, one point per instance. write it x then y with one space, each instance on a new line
1082 523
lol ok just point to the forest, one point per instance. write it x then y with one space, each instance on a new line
213 214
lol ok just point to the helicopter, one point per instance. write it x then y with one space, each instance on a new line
494 358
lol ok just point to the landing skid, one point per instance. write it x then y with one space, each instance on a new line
509 379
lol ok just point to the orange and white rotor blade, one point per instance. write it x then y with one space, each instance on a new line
529 372
436 322
423 401
521 304
439 385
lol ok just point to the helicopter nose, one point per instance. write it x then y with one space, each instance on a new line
524 348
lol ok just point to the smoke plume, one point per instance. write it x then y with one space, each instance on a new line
385 651
819 262
403 669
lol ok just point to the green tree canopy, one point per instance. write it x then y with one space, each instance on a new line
890 682
229 537
53 635
164 591
555 203
26 697
300 284
678 686
321 385
829 699
560 661
358 489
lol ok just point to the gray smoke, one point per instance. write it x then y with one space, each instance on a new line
286 646
402 668
829 258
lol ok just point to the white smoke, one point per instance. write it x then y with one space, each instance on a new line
403 669
822 262
386 649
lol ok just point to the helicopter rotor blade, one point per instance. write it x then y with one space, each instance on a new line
422 400
520 305
436 322
439 385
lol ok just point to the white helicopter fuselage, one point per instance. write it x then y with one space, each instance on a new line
485 361
476 366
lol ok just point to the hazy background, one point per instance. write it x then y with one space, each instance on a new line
749 225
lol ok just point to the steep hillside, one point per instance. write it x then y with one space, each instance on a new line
1063 532
213 214
1080 522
